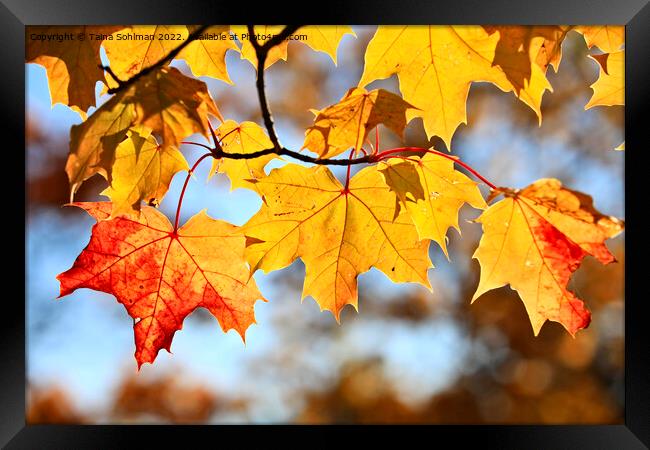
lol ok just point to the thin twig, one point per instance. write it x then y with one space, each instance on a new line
147 70
262 51
390 153
187 180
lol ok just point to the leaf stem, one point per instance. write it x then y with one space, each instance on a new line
198 144
376 149
405 158
187 180
219 139
217 142
387 154
347 175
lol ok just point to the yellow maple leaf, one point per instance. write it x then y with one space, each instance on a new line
173 105
169 103
338 233
544 44
73 65
325 38
206 57
245 137
142 171
609 88
127 57
347 123
608 38
534 239
550 51
436 65
432 193
93 142
621 146
321 38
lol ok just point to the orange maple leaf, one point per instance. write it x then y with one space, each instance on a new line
161 275
534 240
73 66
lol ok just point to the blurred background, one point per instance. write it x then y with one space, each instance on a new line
408 356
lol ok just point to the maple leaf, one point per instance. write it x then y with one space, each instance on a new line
550 52
173 105
621 146
544 44
609 88
246 137
73 66
321 38
93 142
338 233
432 193
435 66
129 56
142 171
169 103
325 38
534 240
206 57
161 276
608 38
347 123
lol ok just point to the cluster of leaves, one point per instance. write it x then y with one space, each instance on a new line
385 216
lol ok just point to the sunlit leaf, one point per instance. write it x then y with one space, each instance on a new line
346 124
437 64
338 233
162 276
533 240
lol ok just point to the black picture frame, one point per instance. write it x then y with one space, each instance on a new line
16 14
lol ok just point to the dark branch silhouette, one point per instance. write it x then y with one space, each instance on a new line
218 153
262 51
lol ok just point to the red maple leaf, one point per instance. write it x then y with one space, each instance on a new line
161 275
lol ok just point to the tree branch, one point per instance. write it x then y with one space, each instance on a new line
262 51
218 153
146 71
